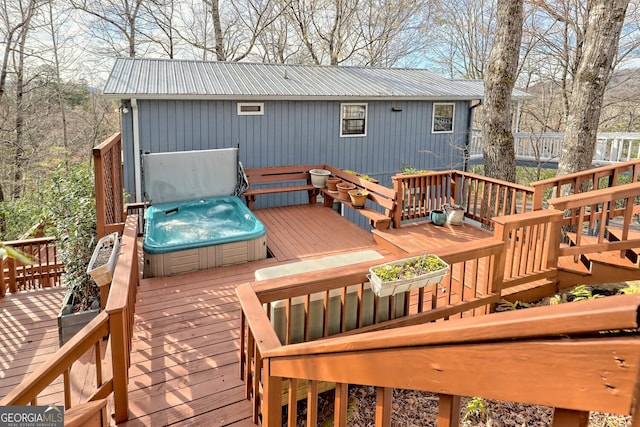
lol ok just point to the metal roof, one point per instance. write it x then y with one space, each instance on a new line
184 79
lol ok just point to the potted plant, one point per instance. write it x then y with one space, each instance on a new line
362 176
343 190
358 198
406 274
455 214
103 260
319 177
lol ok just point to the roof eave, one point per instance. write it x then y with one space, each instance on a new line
255 98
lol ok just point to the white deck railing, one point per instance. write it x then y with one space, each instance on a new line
543 148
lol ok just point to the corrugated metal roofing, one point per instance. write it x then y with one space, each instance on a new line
184 79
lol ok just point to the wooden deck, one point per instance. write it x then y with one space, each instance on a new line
28 336
185 353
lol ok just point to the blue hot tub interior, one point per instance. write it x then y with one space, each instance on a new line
198 223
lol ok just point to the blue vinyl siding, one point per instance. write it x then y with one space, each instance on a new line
299 132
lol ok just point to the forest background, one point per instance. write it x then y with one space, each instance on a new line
55 56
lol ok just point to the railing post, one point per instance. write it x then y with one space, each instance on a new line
13 280
119 357
501 233
3 285
272 400
397 213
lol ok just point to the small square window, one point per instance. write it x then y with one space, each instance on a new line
353 120
443 118
250 108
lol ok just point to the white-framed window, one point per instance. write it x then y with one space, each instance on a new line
442 117
250 108
353 119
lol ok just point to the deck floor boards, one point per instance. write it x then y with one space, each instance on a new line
28 336
185 353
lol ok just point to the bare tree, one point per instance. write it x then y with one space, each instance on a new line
593 70
500 77
114 21
162 25
238 28
466 29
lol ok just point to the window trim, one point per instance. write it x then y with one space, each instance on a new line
453 117
366 119
251 104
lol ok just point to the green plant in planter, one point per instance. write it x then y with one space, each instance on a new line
68 200
411 268
360 175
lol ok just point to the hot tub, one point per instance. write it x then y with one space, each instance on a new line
199 234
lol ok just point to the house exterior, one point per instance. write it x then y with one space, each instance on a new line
371 120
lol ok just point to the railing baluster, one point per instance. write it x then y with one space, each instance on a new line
341 405
312 403
67 387
448 411
292 409
383 406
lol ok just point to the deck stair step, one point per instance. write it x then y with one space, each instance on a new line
609 257
567 263
615 235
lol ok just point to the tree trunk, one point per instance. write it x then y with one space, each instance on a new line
217 29
605 19
19 159
500 76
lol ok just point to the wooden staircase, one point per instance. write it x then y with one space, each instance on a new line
599 267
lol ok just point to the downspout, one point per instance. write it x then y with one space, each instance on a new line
137 173
465 166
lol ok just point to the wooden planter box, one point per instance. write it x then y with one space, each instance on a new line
383 289
101 268
70 323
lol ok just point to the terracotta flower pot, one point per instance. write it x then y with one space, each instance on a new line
343 190
332 182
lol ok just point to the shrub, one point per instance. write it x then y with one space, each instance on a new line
68 200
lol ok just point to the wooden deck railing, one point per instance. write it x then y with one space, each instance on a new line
589 180
532 241
418 194
45 271
485 198
600 220
482 198
319 305
464 358
107 164
116 321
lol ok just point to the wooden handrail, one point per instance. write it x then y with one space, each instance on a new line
582 317
58 363
593 176
442 357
